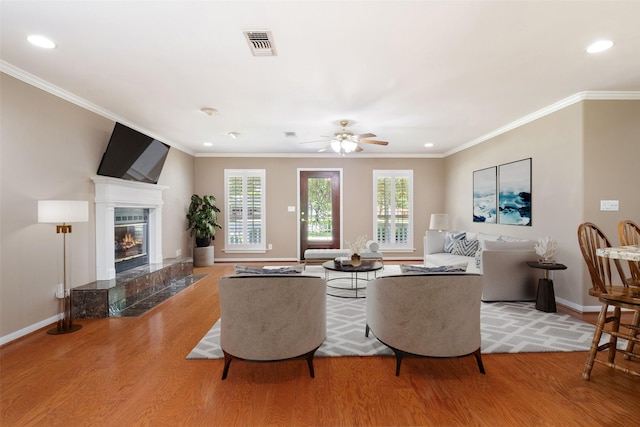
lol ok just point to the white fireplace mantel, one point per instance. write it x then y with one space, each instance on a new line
114 193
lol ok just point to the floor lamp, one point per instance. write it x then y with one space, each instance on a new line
62 212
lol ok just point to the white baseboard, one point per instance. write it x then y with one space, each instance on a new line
578 308
32 328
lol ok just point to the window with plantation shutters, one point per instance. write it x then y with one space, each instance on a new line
393 208
245 208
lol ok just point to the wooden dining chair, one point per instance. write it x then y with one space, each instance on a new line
629 233
591 238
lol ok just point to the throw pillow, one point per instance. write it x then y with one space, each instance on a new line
450 237
406 268
244 269
465 247
479 257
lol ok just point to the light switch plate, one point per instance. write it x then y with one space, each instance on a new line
291 208
609 205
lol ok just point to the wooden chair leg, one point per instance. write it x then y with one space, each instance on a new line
613 341
633 333
602 318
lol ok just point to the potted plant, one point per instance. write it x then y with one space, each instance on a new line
203 219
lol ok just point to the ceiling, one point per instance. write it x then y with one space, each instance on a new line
450 73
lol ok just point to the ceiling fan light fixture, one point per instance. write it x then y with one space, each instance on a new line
336 146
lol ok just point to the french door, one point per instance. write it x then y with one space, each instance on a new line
319 210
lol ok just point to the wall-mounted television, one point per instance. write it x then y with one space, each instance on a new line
133 155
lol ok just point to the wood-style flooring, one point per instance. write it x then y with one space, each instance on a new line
133 371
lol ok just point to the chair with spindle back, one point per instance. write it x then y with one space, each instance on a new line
591 238
629 233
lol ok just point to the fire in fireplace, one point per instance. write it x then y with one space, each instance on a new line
130 238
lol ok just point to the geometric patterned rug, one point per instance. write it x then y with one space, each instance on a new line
506 327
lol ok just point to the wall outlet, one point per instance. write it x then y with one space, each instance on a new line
59 290
270 247
178 253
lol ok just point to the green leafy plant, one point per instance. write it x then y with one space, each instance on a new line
203 219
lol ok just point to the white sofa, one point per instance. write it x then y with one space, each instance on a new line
501 260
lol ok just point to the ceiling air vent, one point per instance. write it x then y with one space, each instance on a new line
260 43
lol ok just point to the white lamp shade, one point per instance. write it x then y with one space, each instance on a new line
63 211
439 222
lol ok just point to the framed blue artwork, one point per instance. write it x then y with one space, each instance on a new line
514 193
484 195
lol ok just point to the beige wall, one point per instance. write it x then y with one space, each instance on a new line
50 149
281 191
580 154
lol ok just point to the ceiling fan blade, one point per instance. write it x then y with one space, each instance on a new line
315 140
366 135
358 149
373 141
325 148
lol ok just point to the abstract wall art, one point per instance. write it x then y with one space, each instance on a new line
484 195
514 193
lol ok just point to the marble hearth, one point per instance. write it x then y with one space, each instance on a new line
133 291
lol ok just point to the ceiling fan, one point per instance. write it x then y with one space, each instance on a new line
344 141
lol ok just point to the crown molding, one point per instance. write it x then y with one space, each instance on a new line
28 78
564 103
44 85
328 155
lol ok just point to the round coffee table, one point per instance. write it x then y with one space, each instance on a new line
350 289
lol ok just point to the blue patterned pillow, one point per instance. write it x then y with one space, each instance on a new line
405 268
450 237
244 269
479 257
465 247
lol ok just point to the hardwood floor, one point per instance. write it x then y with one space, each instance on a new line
133 371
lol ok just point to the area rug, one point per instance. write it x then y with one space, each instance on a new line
506 327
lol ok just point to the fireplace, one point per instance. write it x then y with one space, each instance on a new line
130 238
136 236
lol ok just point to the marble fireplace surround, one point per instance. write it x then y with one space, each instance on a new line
112 193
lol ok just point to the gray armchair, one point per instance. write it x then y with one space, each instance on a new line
271 317
428 315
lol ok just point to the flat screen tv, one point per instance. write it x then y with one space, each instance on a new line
133 155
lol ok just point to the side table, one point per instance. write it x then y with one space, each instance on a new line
546 298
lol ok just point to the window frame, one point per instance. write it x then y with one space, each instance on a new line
260 247
393 175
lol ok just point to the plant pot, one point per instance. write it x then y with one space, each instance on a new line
203 257
203 242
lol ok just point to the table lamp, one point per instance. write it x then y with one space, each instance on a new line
62 212
439 222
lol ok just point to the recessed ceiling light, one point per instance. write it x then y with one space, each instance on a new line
233 135
208 144
41 41
429 144
599 46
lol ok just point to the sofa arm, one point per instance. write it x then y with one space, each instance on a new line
507 277
434 242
